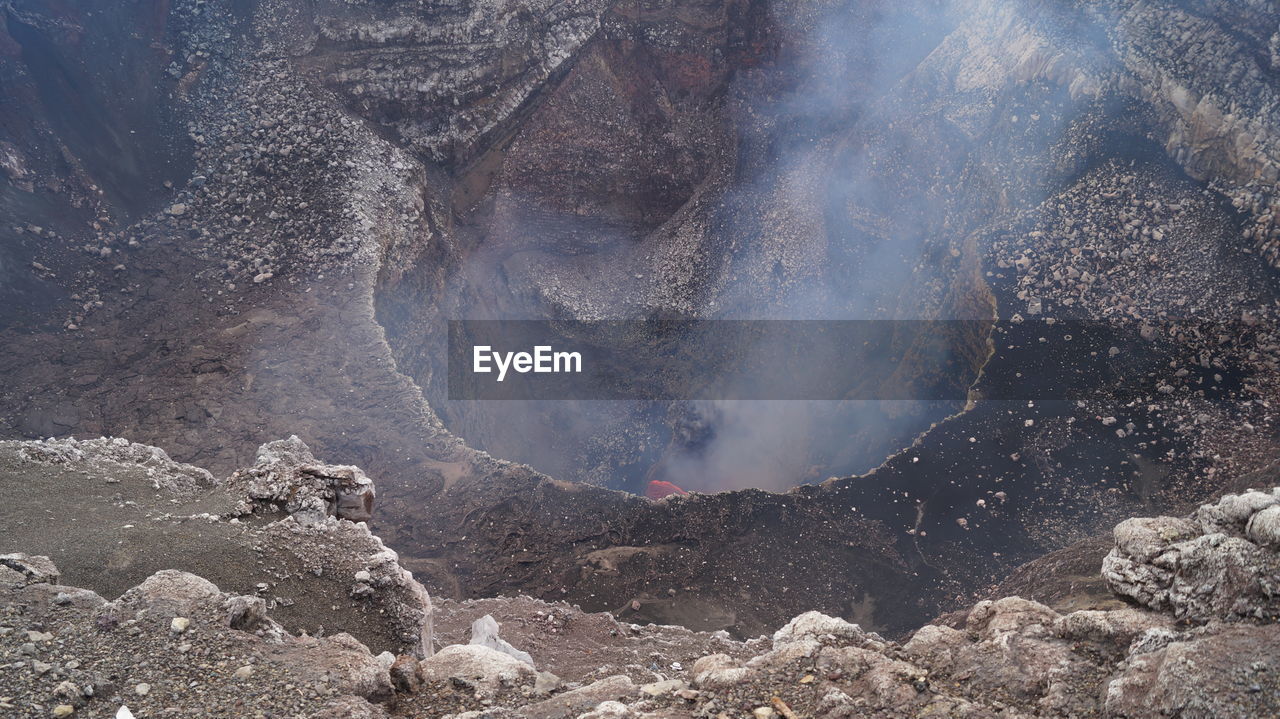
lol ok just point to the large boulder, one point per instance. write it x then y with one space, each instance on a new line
19 568
488 671
609 690
484 632
1223 562
1228 674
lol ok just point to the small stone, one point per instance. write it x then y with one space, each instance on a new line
63 710
545 683
762 713
142 689
657 689
363 576
404 674
243 672
179 625
177 209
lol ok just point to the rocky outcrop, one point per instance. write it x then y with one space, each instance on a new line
287 477
1227 131
446 78
1220 563
487 671
1009 657
19 569
1230 672
1201 69
121 455
287 535
175 643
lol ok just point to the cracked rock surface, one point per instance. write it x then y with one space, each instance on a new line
1221 563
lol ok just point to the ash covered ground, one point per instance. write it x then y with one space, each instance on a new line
227 223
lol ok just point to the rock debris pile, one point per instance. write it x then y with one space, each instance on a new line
1132 248
287 477
1199 640
289 532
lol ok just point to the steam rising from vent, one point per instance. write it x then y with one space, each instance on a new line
863 158
812 222
738 444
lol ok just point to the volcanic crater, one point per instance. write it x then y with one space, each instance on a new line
231 222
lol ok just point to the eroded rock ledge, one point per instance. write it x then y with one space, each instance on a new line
1197 638
111 513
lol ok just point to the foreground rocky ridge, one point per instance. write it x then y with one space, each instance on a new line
1198 638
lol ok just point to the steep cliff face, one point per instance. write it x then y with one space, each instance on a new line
450 80
258 227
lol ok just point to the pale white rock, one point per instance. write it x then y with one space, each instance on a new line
484 632
489 670
816 625
1264 527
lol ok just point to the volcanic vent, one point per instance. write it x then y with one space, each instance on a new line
674 177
